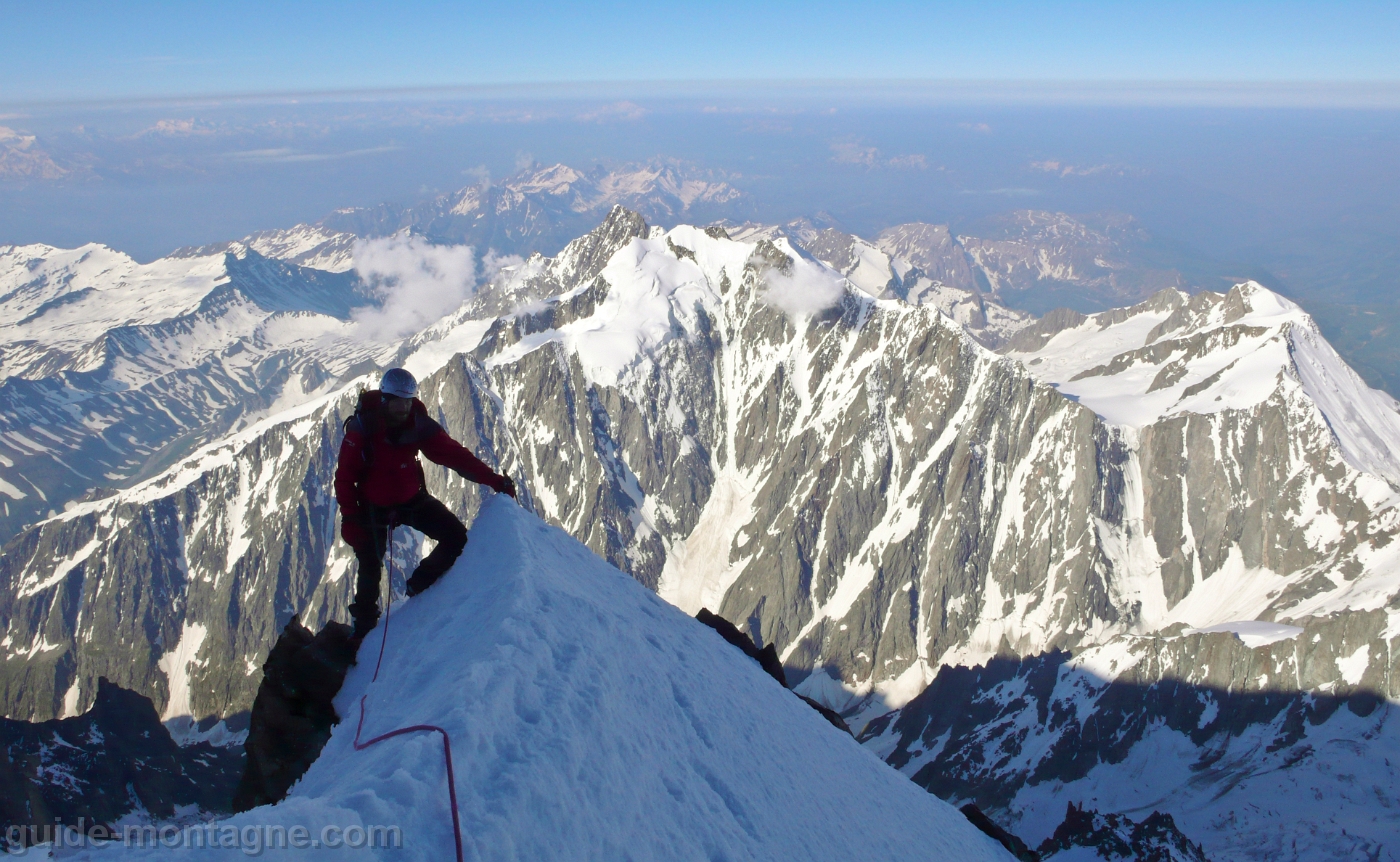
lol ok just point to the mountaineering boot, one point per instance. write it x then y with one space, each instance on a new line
365 621
417 584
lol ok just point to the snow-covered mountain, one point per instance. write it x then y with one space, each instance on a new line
539 209
1207 354
1025 259
921 264
857 481
110 369
588 720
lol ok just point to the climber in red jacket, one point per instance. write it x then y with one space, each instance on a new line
379 482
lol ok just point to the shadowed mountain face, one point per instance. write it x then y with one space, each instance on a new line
1193 723
101 765
858 482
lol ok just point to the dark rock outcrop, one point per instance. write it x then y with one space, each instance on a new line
1015 846
828 713
1115 836
767 658
101 765
293 713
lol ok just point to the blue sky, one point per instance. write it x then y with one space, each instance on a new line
88 50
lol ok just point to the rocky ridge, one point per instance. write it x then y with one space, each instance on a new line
991 279
1113 836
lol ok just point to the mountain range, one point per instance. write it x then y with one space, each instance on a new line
1161 532
110 370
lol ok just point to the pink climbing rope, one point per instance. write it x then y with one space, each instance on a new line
446 754
417 728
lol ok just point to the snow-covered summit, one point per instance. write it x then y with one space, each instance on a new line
591 720
1207 353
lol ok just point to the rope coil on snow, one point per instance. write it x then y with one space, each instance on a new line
446 755
417 728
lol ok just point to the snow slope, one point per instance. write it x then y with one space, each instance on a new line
591 720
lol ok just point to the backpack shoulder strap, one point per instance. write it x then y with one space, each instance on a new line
361 423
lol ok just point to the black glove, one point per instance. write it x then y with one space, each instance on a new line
507 486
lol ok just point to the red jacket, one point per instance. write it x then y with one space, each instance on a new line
379 465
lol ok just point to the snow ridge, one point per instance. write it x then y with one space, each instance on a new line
591 720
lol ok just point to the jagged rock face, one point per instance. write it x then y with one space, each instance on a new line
1114 836
934 250
1026 255
113 369
184 568
102 764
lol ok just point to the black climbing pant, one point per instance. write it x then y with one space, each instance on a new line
424 513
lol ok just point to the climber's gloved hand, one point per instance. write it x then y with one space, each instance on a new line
354 532
506 486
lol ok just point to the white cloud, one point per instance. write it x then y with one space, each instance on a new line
912 160
1054 166
179 128
416 282
846 153
804 290
493 263
1009 192
287 154
616 111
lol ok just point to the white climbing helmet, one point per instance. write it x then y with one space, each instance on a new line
399 383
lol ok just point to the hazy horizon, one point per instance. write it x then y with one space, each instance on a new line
1248 139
